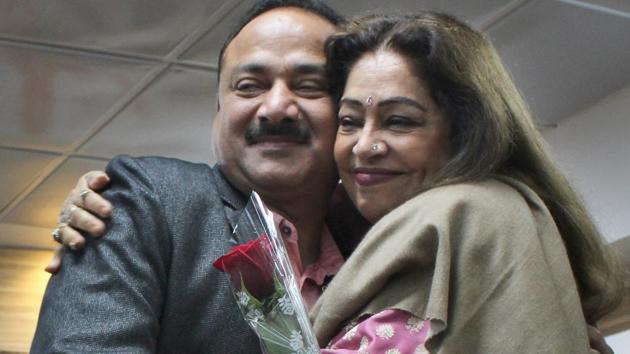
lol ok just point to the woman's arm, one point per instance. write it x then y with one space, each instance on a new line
82 210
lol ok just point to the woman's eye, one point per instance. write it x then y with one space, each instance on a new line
347 122
401 122
398 120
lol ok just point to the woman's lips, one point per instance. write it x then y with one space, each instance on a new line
371 176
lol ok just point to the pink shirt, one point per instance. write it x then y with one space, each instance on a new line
315 276
390 331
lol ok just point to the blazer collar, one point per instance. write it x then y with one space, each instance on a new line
234 203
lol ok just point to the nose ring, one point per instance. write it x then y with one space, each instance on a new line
376 147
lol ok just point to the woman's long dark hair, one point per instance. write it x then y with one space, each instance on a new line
493 132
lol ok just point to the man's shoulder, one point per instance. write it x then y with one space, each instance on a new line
163 174
160 168
159 165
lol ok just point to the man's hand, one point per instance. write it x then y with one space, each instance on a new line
597 341
81 211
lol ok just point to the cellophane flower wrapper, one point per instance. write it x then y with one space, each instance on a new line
265 286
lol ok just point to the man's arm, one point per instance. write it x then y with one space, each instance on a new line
109 296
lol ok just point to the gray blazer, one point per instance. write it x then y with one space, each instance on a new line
149 285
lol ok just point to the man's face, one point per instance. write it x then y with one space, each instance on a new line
275 122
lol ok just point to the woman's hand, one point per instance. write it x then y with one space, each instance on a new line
597 341
81 210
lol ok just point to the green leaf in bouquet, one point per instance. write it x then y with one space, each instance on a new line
279 293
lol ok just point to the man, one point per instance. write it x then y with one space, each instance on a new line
149 285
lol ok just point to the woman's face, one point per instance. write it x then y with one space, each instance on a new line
392 136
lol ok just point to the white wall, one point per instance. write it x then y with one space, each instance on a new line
620 342
593 147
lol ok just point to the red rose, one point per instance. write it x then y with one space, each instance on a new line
248 264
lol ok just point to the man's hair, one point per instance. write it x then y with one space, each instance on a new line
314 6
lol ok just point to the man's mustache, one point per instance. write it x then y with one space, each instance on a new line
289 129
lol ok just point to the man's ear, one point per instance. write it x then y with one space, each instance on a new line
216 136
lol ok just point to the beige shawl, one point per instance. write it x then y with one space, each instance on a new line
483 261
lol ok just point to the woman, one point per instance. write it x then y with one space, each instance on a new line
437 148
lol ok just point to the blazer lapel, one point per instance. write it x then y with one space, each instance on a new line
233 203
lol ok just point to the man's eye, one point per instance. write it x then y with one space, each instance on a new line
311 87
246 86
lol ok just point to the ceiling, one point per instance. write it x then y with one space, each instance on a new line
83 81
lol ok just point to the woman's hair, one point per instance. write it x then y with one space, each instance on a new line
493 132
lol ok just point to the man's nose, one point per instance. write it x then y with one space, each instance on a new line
279 104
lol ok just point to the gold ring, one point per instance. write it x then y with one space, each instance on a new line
66 215
84 193
56 234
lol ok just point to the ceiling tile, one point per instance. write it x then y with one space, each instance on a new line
49 99
151 27
172 118
472 11
41 207
564 57
207 48
19 168
620 6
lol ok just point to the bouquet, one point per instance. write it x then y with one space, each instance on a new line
264 284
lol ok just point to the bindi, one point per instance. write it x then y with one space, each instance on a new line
369 101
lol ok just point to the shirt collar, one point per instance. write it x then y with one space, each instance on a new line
328 262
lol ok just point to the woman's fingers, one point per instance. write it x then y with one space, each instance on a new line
597 341
81 219
55 263
82 208
70 237
85 194
96 180
92 202
80 211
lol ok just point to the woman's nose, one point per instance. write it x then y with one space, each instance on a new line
369 144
